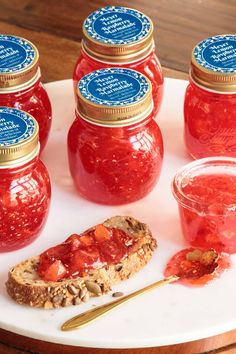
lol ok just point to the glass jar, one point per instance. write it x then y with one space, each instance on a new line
206 194
117 36
210 99
25 186
115 147
20 82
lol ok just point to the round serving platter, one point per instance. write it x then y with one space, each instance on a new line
168 315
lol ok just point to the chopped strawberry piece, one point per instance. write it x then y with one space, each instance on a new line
56 252
86 240
102 233
74 242
55 271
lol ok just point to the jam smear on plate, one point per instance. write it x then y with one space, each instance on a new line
196 267
93 249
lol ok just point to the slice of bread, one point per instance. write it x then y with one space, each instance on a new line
25 286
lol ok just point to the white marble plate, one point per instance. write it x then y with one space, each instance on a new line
168 315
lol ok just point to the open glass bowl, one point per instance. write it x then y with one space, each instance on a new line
206 194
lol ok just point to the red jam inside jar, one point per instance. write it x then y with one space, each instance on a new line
25 189
197 267
116 36
20 82
210 99
206 194
93 249
115 148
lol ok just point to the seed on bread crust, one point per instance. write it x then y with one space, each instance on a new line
93 287
57 300
76 300
86 297
78 284
83 292
72 289
66 302
48 305
118 267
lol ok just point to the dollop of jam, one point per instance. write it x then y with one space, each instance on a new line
196 267
93 249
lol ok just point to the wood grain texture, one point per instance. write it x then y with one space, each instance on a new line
54 64
179 24
218 343
55 28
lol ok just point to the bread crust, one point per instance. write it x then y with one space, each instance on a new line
25 287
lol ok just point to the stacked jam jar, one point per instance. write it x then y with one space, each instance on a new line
117 36
115 147
25 121
20 82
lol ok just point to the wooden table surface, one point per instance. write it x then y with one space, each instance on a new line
55 28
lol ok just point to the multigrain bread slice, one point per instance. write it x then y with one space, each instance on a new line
25 286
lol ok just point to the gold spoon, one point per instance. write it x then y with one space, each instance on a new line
86 317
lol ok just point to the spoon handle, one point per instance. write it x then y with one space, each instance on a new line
86 317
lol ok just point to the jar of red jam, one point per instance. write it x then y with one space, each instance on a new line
117 36
206 193
20 82
25 186
114 145
210 99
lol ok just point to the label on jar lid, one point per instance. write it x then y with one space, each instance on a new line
217 53
16 54
113 87
117 25
15 126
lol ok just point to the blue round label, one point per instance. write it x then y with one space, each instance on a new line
113 86
16 54
15 126
117 25
217 53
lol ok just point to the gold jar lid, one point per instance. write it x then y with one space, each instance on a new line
117 34
213 63
114 96
18 62
19 137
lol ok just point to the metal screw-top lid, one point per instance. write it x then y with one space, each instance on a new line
117 34
213 63
18 63
114 96
19 139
